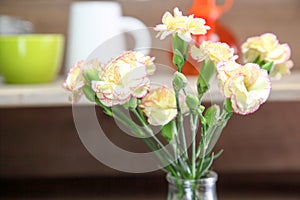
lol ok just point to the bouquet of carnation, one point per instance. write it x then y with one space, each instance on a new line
124 83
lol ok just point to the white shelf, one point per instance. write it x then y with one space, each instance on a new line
52 94
48 94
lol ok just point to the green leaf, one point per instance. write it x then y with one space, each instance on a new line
257 60
268 66
206 166
169 130
180 51
106 110
212 114
216 132
217 155
89 93
202 86
178 59
207 72
131 104
181 45
228 106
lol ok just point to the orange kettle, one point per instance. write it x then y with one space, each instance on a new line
210 11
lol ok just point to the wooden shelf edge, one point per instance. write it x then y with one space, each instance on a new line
53 95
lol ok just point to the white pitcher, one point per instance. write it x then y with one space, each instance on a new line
100 24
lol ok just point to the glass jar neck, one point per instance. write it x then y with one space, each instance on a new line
209 180
204 188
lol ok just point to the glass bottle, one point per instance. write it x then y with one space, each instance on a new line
201 189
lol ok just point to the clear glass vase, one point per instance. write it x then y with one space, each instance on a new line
201 189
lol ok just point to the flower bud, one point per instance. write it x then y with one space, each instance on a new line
179 81
212 114
192 102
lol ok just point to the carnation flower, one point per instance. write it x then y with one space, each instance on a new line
248 86
123 78
74 82
159 105
267 48
215 51
185 26
281 70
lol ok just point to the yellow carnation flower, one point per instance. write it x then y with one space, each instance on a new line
281 70
268 49
247 86
185 26
75 81
215 51
123 78
159 105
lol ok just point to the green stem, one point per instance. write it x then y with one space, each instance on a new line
193 124
174 149
181 133
123 119
141 113
217 129
203 130
144 124
148 130
201 146
202 159
184 169
180 125
138 131
152 146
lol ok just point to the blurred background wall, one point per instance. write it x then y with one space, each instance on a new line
246 18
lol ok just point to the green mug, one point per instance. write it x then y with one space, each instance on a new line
32 58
